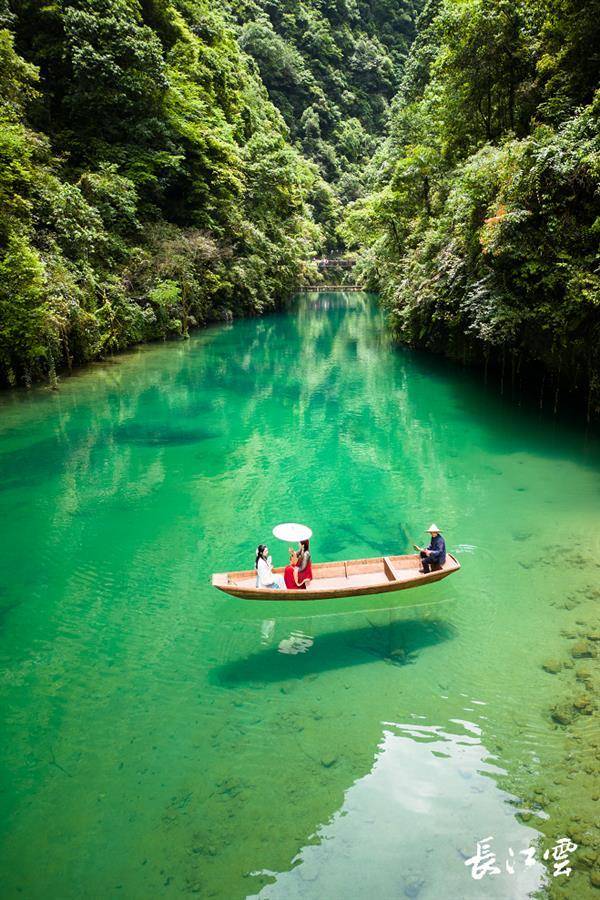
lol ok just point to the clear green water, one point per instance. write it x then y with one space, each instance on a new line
157 743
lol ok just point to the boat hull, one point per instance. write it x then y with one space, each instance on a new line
337 580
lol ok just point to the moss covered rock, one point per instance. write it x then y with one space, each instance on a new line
562 713
553 666
582 701
581 649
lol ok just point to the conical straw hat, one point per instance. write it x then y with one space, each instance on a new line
433 528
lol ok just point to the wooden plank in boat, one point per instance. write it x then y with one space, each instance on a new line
389 569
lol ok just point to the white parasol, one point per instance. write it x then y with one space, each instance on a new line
292 531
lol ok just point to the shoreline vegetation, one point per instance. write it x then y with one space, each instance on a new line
165 165
148 183
482 227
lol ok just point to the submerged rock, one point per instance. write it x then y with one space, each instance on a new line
413 887
586 857
328 760
577 835
562 713
582 702
581 649
595 877
553 666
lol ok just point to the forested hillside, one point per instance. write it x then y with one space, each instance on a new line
147 183
331 68
483 225
166 162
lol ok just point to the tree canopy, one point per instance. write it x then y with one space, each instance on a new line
332 70
148 183
167 162
482 225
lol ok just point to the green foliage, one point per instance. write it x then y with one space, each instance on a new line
482 225
25 329
331 69
147 183
166 162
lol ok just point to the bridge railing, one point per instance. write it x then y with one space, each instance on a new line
320 288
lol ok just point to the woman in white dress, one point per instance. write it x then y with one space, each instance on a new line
265 577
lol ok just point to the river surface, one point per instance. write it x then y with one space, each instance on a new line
164 740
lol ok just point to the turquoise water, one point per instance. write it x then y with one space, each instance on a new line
159 742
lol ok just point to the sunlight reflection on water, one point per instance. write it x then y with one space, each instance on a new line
413 821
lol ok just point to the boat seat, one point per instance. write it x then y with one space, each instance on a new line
389 569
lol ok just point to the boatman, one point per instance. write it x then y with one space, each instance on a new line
434 557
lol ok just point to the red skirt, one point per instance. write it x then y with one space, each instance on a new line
288 577
305 575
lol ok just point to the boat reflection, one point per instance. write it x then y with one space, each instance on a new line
296 643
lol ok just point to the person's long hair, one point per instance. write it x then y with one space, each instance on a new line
259 552
304 545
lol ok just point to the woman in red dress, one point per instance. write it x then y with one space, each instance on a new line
290 573
304 565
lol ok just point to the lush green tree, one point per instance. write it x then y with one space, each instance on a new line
482 226
331 69
148 183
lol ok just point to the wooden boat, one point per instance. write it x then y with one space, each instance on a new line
351 578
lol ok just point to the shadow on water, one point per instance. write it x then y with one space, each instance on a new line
392 534
161 435
6 609
397 643
33 464
513 417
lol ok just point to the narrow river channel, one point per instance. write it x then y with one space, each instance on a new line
160 738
